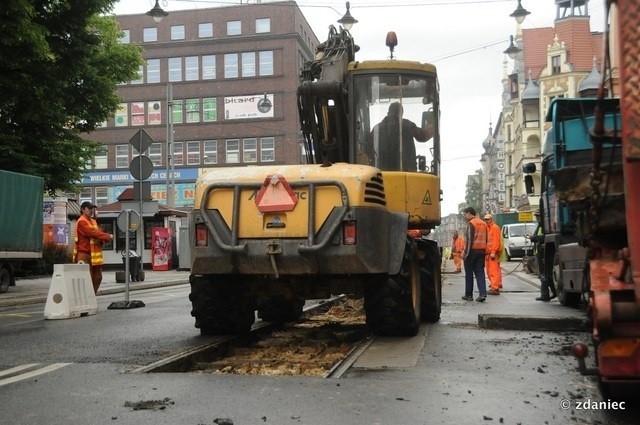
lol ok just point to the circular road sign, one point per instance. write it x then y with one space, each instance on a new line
141 167
134 220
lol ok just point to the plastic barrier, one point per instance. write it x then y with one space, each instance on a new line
71 293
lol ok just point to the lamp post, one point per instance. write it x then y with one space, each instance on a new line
170 165
157 13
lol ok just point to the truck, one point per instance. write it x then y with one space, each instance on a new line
268 238
611 201
566 166
21 222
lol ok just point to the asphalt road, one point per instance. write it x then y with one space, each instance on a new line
454 372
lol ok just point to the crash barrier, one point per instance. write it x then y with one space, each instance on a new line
70 293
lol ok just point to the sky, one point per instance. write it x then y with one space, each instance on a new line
464 39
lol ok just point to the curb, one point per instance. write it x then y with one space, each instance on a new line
42 299
534 323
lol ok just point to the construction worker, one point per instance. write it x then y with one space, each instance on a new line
88 246
492 257
457 249
474 254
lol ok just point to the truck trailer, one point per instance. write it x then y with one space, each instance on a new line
20 223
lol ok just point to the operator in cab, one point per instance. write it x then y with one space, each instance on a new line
386 136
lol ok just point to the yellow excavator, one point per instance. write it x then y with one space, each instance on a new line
353 220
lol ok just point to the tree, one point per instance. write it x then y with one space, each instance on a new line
473 195
60 63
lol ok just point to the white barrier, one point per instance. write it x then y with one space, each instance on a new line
71 292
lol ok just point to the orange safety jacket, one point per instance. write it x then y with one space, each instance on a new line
477 234
494 240
89 239
458 245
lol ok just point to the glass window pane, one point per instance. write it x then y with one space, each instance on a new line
250 150
100 159
153 71
122 156
191 68
193 153
139 79
149 34
231 65
263 25
175 69
193 110
154 112
177 32
234 28
125 37
178 153
209 67
267 149
232 151
155 154
205 30
137 113
209 109
210 151
249 64
266 62
122 115
177 111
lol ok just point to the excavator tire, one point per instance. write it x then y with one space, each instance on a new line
430 281
218 308
569 299
392 304
279 309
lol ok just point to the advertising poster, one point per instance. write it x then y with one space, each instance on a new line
161 248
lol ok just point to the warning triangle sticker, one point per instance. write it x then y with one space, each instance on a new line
427 198
276 195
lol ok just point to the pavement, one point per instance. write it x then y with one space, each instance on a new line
515 308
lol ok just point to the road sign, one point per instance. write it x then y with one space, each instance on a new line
141 141
134 220
141 167
525 216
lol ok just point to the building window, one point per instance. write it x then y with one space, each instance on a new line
137 113
209 67
177 32
555 65
125 37
155 154
250 150
86 195
209 109
193 110
122 115
193 153
154 114
178 153
267 149
153 71
191 68
249 64
210 151
102 197
263 25
205 30
175 69
140 78
150 34
234 28
100 159
266 62
231 65
233 151
122 156
177 111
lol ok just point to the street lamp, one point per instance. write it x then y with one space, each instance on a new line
157 13
347 20
520 13
512 50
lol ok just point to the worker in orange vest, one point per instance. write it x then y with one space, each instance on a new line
474 254
492 257
457 249
88 246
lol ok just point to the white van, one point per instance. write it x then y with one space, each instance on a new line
516 239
